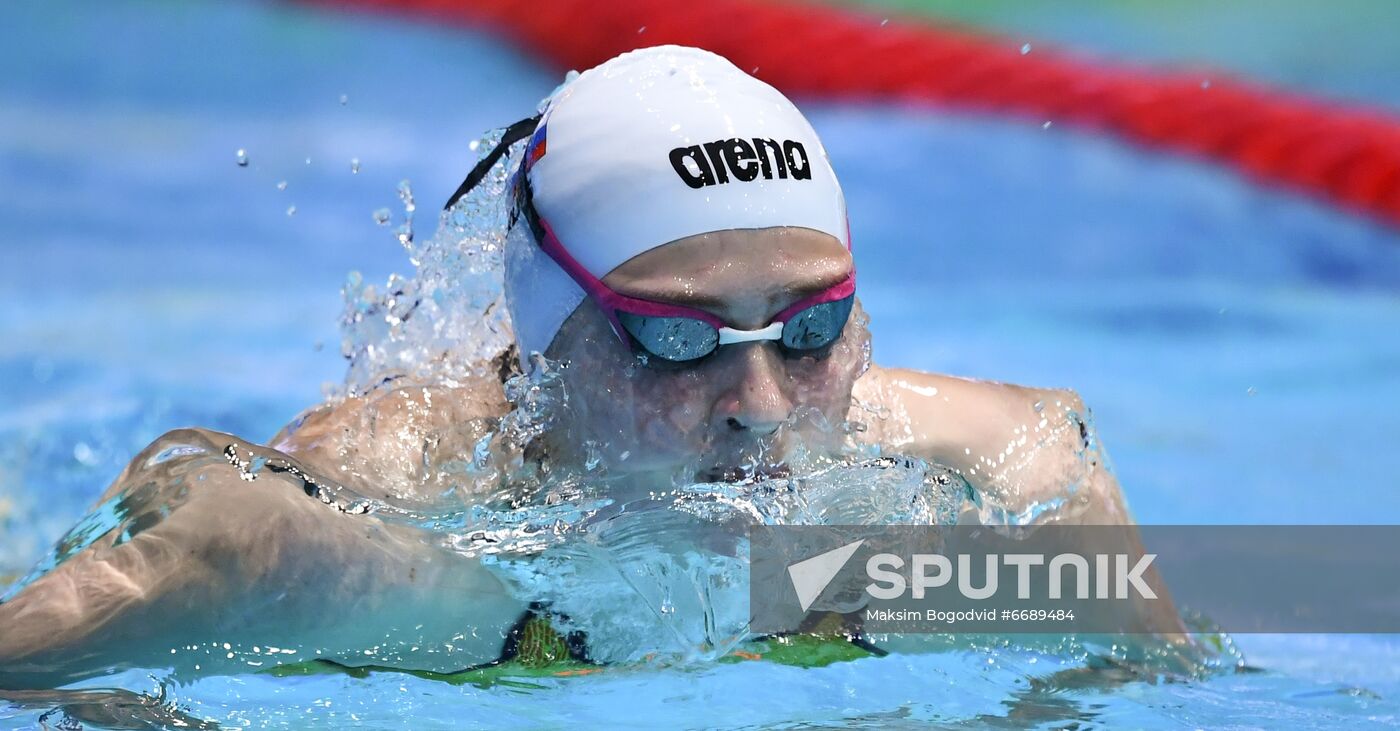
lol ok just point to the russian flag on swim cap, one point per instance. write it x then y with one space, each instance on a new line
535 150
653 146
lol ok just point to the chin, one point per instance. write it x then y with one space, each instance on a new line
742 474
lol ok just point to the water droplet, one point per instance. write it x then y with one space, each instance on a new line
344 99
242 158
381 216
1251 391
354 166
291 210
1046 125
474 145
641 30
755 70
84 454
1039 406
1205 83
884 22
405 231
308 161
282 185
1025 49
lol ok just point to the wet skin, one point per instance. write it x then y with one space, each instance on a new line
744 406
734 410
258 562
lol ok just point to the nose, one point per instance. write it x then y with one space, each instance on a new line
757 400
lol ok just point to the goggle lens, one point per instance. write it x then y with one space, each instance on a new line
677 339
683 339
817 326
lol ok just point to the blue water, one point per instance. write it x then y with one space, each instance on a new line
1339 50
1238 345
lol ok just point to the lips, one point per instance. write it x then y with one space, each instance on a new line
738 457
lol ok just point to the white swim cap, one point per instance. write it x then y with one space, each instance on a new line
652 146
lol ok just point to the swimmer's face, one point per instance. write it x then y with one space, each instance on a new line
738 410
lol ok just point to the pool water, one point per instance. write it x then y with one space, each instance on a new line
1237 344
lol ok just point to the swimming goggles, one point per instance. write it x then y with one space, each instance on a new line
670 332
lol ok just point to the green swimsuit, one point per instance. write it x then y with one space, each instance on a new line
535 649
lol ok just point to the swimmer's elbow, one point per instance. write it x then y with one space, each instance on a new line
58 619
1076 457
1064 401
1063 413
37 619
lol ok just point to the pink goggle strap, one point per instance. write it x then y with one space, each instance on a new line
610 301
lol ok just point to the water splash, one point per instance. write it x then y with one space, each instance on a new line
663 573
447 324
650 564
642 564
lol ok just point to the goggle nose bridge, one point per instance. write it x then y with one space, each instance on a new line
728 335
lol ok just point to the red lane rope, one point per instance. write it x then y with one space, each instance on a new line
1347 154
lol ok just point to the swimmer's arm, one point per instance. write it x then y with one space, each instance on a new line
1032 452
393 443
1024 449
254 564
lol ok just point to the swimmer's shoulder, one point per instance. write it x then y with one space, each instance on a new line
957 420
391 435
389 409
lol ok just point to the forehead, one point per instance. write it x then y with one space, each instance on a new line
723 265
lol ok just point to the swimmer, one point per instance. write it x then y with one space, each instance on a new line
680 243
